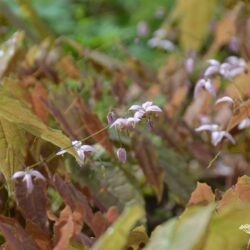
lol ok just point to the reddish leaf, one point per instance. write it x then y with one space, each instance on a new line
33 206
15 236
202 195
39 93
100 224
112 214
147 159
76 201
64 229
93 124
41 237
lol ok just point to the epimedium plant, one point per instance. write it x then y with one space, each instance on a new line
72 180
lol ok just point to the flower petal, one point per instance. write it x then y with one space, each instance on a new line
244 124
88 148
135 107
224 99
139 114
153 108
37 174
29 184
145 105
18 174
207 127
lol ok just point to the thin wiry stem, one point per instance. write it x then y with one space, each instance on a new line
53 155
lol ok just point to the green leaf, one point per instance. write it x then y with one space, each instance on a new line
16 112
116 236
185 233
194 17
12 148
224 230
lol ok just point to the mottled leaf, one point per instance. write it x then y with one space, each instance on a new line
12 148
15 236
33 206
19 114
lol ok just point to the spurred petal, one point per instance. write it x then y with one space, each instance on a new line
29 184
206 84
145 105
244 124
120 122
153 108
76 144
213 62
37 174
139 114
217 137
212 70
224 99
207 127
88 148
135 107
81 154
18 174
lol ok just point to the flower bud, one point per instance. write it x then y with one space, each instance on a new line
111 117
122 155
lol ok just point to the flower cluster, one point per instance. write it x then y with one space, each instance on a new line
140 112
80 149
216 134
27 176
229 69
159 41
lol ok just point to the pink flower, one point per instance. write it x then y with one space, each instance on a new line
27 177
125 123
146 107
244 124
225 99
213 69
82 149
216 134
204 84
122 155
232 67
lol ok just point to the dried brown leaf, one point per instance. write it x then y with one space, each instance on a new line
64 229
241 113
202 195
76 201
240 193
